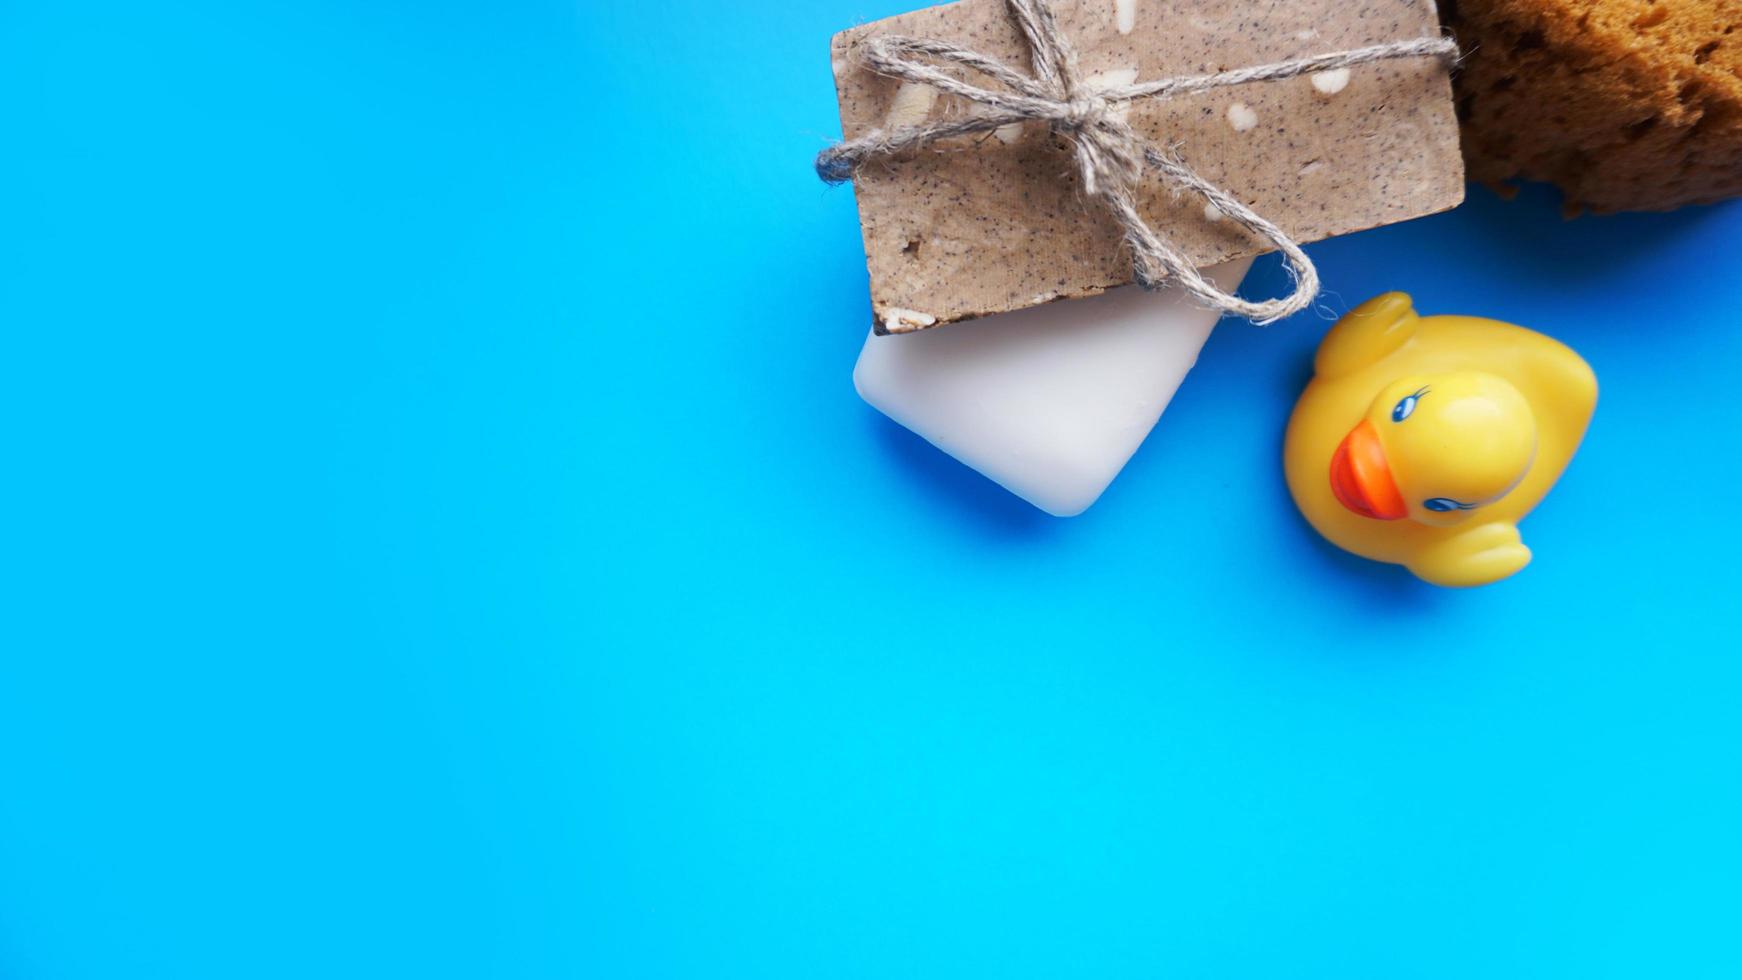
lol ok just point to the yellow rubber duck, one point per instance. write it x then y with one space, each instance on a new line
1423 441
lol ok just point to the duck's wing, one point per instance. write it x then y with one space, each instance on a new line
1563 393
1366 334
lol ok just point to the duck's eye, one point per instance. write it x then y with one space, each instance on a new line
1445 504
1406 407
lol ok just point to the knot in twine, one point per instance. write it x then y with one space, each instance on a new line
1110 154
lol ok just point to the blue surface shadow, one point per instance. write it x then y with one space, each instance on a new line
973 497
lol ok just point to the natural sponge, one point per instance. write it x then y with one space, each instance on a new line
1628 105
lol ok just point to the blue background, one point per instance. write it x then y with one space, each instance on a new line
441 540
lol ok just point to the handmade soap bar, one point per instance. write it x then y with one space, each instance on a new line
1049 401
972 226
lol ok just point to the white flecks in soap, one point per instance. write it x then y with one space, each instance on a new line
1008 133
1241 117
913 102
1212 213
1050 401
1114 78
1331 82
898 320
1125 15
1312 166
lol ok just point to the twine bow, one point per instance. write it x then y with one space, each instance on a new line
1110 154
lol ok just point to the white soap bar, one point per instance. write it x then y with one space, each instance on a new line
1049 401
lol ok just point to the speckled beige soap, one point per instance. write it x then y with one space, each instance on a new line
969 228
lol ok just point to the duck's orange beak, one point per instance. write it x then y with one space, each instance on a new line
1361 479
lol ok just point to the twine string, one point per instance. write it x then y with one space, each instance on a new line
1110 155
